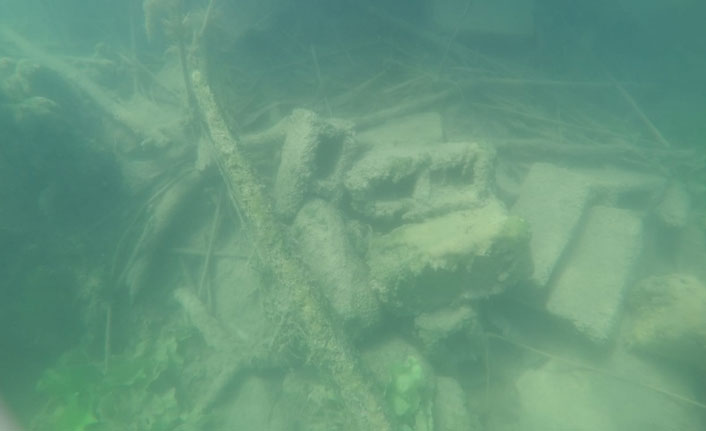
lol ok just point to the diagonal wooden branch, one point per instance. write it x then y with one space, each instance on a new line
327 344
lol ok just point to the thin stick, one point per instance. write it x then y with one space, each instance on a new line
317 68
640 113
403 85
133 46
188 86
534 82
605 373
453 37
185 251
204 23
133 222
486 353
383 115
189 280
532 116
136 64
357 91
209 249
106 338
453 46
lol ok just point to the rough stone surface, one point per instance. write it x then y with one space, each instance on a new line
675 207
408 380
438 325
308 403
382 355
321 234
450 336
552 200
237 296
667 318
395 184
313 160
589 288
612 184
468 254
565 396
451 408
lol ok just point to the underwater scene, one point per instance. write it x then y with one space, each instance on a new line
352 215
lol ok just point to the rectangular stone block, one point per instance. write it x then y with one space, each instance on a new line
552 200
588 288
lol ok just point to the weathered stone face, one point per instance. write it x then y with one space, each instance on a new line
409 183
588 290
666 317
441 236
466 254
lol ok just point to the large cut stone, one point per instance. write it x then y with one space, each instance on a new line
667 318
408 183
625 393
471 253
324 245
588 289
314 155
552 200
451 411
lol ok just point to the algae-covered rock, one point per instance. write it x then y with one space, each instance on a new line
321 233
438 325
307 402
667 318
588 289
621 393
381 184
553 200
314 155
674 208
408 379
448 335
393 184
465 254
451 411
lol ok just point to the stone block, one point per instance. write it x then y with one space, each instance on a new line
472 253
451 411
321 234
667 318
553 201
674 208
394 184
314 156
611 184
450 335
588 289
626 394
